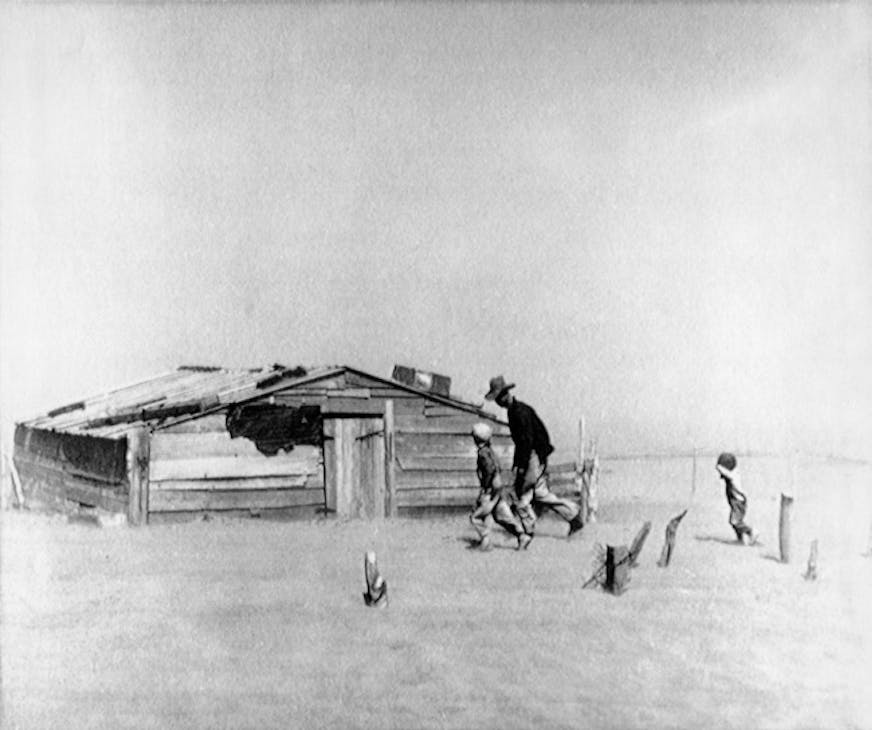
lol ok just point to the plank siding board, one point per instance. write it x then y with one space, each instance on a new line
228 468
412 480
207 500
431 410
167 446
437 463
350 393
57 486
69 470
251 484
436 497
397 394
407 407
353 406
446 425
449 446
359 380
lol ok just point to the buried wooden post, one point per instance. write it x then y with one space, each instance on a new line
784 527
637 544
669 545
811 571
376 586
607 575
617 568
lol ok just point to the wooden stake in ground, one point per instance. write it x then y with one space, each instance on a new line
638 543
617 569
669 545
600 574
376 587
811 571
784 527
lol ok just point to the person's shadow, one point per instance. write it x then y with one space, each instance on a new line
718 538
472 543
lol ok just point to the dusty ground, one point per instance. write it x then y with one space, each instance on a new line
254 624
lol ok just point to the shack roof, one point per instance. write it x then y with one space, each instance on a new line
192 391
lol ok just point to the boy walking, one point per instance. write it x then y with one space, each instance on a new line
727 467
492 504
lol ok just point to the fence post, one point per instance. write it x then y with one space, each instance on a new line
579 474
784 527
617 568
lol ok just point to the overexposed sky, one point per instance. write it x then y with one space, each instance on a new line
656 215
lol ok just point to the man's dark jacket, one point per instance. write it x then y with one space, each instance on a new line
528 433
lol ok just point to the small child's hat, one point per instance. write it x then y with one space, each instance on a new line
727 460
482 432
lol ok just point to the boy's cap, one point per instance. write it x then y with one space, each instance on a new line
498 385
482 432
727 460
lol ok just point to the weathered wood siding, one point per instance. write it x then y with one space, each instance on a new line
197 468
436 461
52 476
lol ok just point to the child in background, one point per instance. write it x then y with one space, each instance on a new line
727 467
492 504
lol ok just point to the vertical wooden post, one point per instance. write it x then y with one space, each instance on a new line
811 570
390 476
617 568
784 527
583 502
593 483
138 448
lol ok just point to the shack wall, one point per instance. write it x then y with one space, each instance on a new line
63 472
197 468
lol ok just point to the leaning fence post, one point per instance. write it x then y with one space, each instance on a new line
669 544
811 570
617 568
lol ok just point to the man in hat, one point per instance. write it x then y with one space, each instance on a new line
492 505
530 463
727 467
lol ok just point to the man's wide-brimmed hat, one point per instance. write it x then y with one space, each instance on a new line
498 386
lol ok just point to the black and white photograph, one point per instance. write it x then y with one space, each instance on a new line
436 365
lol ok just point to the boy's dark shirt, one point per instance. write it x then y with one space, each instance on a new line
528 433
488 468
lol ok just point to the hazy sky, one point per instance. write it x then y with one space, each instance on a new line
655 215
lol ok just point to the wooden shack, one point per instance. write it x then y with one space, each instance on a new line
268 442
